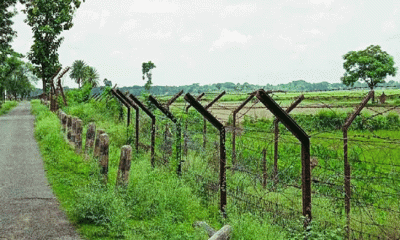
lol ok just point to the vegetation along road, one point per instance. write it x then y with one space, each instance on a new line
28 208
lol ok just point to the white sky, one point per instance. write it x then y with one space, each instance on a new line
212 41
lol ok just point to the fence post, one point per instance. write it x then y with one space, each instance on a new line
205 122
185 147
347 170
264 166
69 127
168 114
234 126
96 152
103 161
64 121
222 169
130 102
90 137
124 166
78 136
153 125
299 133
73 130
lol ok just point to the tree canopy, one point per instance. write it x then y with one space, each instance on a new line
48 19
146 70
78 71
371 65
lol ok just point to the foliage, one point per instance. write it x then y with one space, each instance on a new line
146 70
78 71
107 83
80 95
48 20
371 65
6 32
16 77
7 106
91 76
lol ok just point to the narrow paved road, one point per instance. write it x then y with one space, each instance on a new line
28 208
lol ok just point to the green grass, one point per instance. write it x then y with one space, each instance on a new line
156 205
7 106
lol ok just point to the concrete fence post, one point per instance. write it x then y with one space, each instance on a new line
124 166
69 127
103 160
78 136
96 152
90 137
73 129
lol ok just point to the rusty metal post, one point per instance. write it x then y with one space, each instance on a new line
185 147
299 133
124 102
96 152
137 130
124 166
347 170
169 115
153 141
218 125
128 102
205 122
264 166
276 146
103 160
153 125
234 126
90 137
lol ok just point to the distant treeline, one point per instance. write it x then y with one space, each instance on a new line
299 85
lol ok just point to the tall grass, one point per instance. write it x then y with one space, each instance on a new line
157 204
7 106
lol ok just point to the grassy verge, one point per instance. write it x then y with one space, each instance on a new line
7 106
156 205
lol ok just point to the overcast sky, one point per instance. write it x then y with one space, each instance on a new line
211 41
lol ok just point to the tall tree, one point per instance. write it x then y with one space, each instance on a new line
146 70
6 32
92 76
6 36
371 65
78 71
48 19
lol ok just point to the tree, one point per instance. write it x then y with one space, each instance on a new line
371 65
48 19
17 82
78 71
146 70
107 83
6 32
91 76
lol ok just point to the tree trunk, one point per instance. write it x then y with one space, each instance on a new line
44 85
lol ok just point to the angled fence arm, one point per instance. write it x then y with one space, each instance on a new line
178 131
153 125
347 170
222 169
234 125
305 148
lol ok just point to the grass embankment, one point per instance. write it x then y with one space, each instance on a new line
7 106
156 205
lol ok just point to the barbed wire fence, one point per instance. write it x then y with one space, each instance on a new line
254 185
